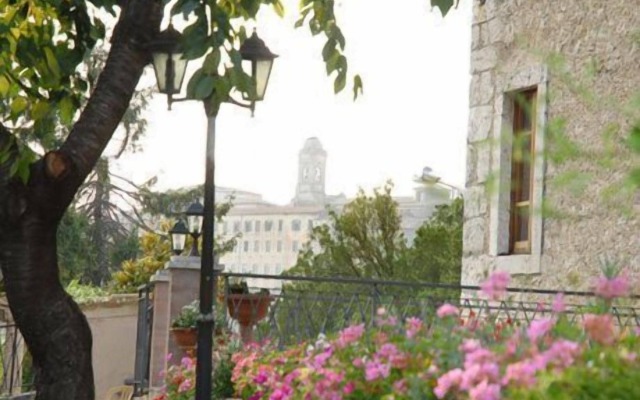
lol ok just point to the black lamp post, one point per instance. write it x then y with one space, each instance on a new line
170 66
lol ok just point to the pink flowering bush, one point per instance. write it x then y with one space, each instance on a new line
180 381
456 356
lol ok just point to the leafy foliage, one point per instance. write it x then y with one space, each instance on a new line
437 247
188 317
155 252
366 240
85 293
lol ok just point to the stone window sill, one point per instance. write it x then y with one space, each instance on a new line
519 264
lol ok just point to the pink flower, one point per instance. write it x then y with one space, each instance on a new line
562 353
495 287
522 373
446 310
478 356
610 288
376 370
387 351
188 362
600 328
349 388
470 345
262 377
539 328
320 359
485 391
400 386
186 385
282 393
558 306
475 373
448 381
350 335
414 325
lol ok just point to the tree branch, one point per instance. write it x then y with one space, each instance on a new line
138 24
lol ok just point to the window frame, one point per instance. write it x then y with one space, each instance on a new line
528 98
499 148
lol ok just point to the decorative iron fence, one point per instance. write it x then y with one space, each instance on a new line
17 374
140 380
300 308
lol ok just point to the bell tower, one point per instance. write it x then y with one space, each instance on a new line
312 162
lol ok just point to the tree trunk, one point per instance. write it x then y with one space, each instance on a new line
55 330
53 326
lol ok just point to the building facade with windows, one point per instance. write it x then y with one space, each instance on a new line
270 236
550 90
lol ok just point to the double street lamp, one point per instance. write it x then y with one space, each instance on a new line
170 66
179 232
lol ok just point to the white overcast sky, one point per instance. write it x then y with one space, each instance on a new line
415 67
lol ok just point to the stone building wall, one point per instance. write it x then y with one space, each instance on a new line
584 58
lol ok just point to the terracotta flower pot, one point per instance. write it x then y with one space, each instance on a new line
185 338
248 310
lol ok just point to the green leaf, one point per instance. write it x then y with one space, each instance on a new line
444 5
340 82
52 63
329 49
4 86
211 62
278 8
336 34
193 82
18 105
67 110
40 109
357 86
204 87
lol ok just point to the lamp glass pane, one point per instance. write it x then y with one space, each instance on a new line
179 68
178 241
195 223
263 70
160 67
246 67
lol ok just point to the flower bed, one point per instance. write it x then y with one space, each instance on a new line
456 358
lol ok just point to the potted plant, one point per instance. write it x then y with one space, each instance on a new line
184 326
247 308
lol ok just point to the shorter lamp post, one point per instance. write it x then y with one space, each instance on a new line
178 235
179 232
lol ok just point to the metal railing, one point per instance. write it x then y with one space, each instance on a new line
300 308
17 374
140 380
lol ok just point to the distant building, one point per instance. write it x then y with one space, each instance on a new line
272 234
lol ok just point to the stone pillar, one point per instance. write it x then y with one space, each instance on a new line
160 328
177 285
184 275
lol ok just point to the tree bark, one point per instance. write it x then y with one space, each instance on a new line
54 328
